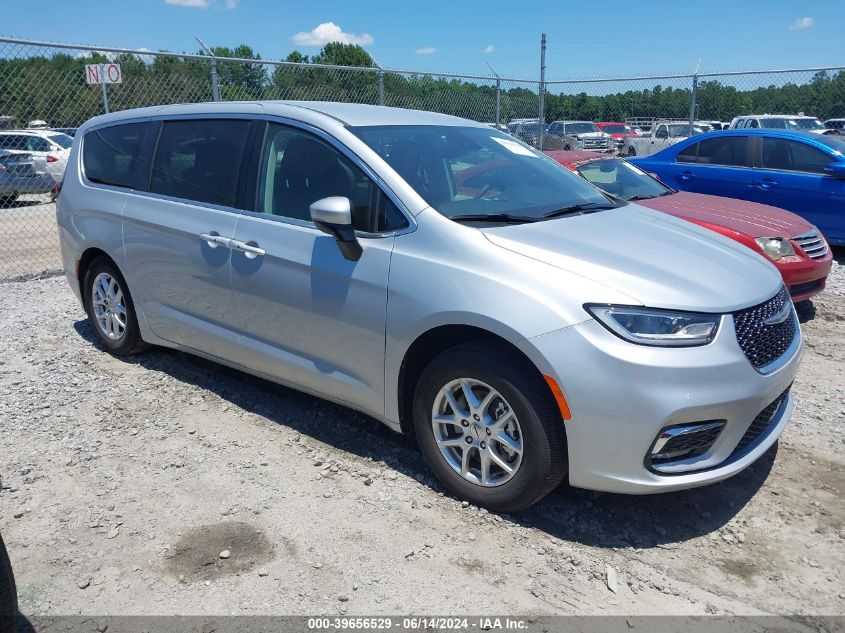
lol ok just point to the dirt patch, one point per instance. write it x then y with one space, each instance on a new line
197 554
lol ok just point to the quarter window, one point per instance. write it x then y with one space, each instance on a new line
298 169
793 156
200 160
110 155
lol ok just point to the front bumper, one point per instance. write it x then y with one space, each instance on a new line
621 395
805 277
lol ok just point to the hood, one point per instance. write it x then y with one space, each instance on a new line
663 262
751 218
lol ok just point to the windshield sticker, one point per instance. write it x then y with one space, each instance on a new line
514 147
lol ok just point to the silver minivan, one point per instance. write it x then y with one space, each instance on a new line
440 276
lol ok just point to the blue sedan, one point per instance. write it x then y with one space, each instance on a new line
798 171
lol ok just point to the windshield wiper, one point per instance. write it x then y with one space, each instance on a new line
584 207
635 198
504 218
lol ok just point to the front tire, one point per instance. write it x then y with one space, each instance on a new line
8 592
110 310
489 428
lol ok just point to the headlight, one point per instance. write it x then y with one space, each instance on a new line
775 247
652 326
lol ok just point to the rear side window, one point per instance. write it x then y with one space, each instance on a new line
13 141
688 155
111 155
780 153
200 160
726 150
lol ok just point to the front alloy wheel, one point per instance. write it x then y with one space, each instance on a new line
477 432
489 427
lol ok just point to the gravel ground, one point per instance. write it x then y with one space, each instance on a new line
165 484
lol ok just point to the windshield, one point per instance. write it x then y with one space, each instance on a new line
463 171
580 128
615 129
621 179
681 130
808 123
529 128
62 140
835 142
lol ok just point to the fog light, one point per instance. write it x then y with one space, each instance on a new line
684 440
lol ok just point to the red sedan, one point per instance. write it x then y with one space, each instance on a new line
795 246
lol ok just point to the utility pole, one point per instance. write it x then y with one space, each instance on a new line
215 82
542 117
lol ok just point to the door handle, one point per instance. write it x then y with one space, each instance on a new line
687 175
251 251
214 239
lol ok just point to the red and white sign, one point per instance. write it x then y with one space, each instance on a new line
103 73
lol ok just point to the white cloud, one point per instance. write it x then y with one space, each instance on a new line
196 4
488 49
802 23
331 32
428 50
232 4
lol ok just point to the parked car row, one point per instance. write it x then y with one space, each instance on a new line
791 243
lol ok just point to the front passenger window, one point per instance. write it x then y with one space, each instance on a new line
299 168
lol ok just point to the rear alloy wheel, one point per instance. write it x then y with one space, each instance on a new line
109 306
488 426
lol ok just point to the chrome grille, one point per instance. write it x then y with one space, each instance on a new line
764 343
812 243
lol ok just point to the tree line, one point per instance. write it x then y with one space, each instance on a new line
53 88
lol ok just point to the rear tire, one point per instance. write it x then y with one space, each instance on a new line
8 200
8 592
110 310
536 453
632 151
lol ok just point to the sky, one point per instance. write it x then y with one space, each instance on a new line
585 39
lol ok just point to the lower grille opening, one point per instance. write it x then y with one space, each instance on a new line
809 286
761 423
683 441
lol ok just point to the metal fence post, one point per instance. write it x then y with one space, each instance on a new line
215 80
692 102
103 86
498 102
542 117
381 87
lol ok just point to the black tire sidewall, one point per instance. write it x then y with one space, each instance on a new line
8 592
544 458
130 342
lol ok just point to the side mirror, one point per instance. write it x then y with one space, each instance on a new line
837 170
333 215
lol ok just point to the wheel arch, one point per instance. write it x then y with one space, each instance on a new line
434 341
89 255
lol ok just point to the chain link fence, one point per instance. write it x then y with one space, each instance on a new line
44 84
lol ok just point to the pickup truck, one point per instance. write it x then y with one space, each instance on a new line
662 135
